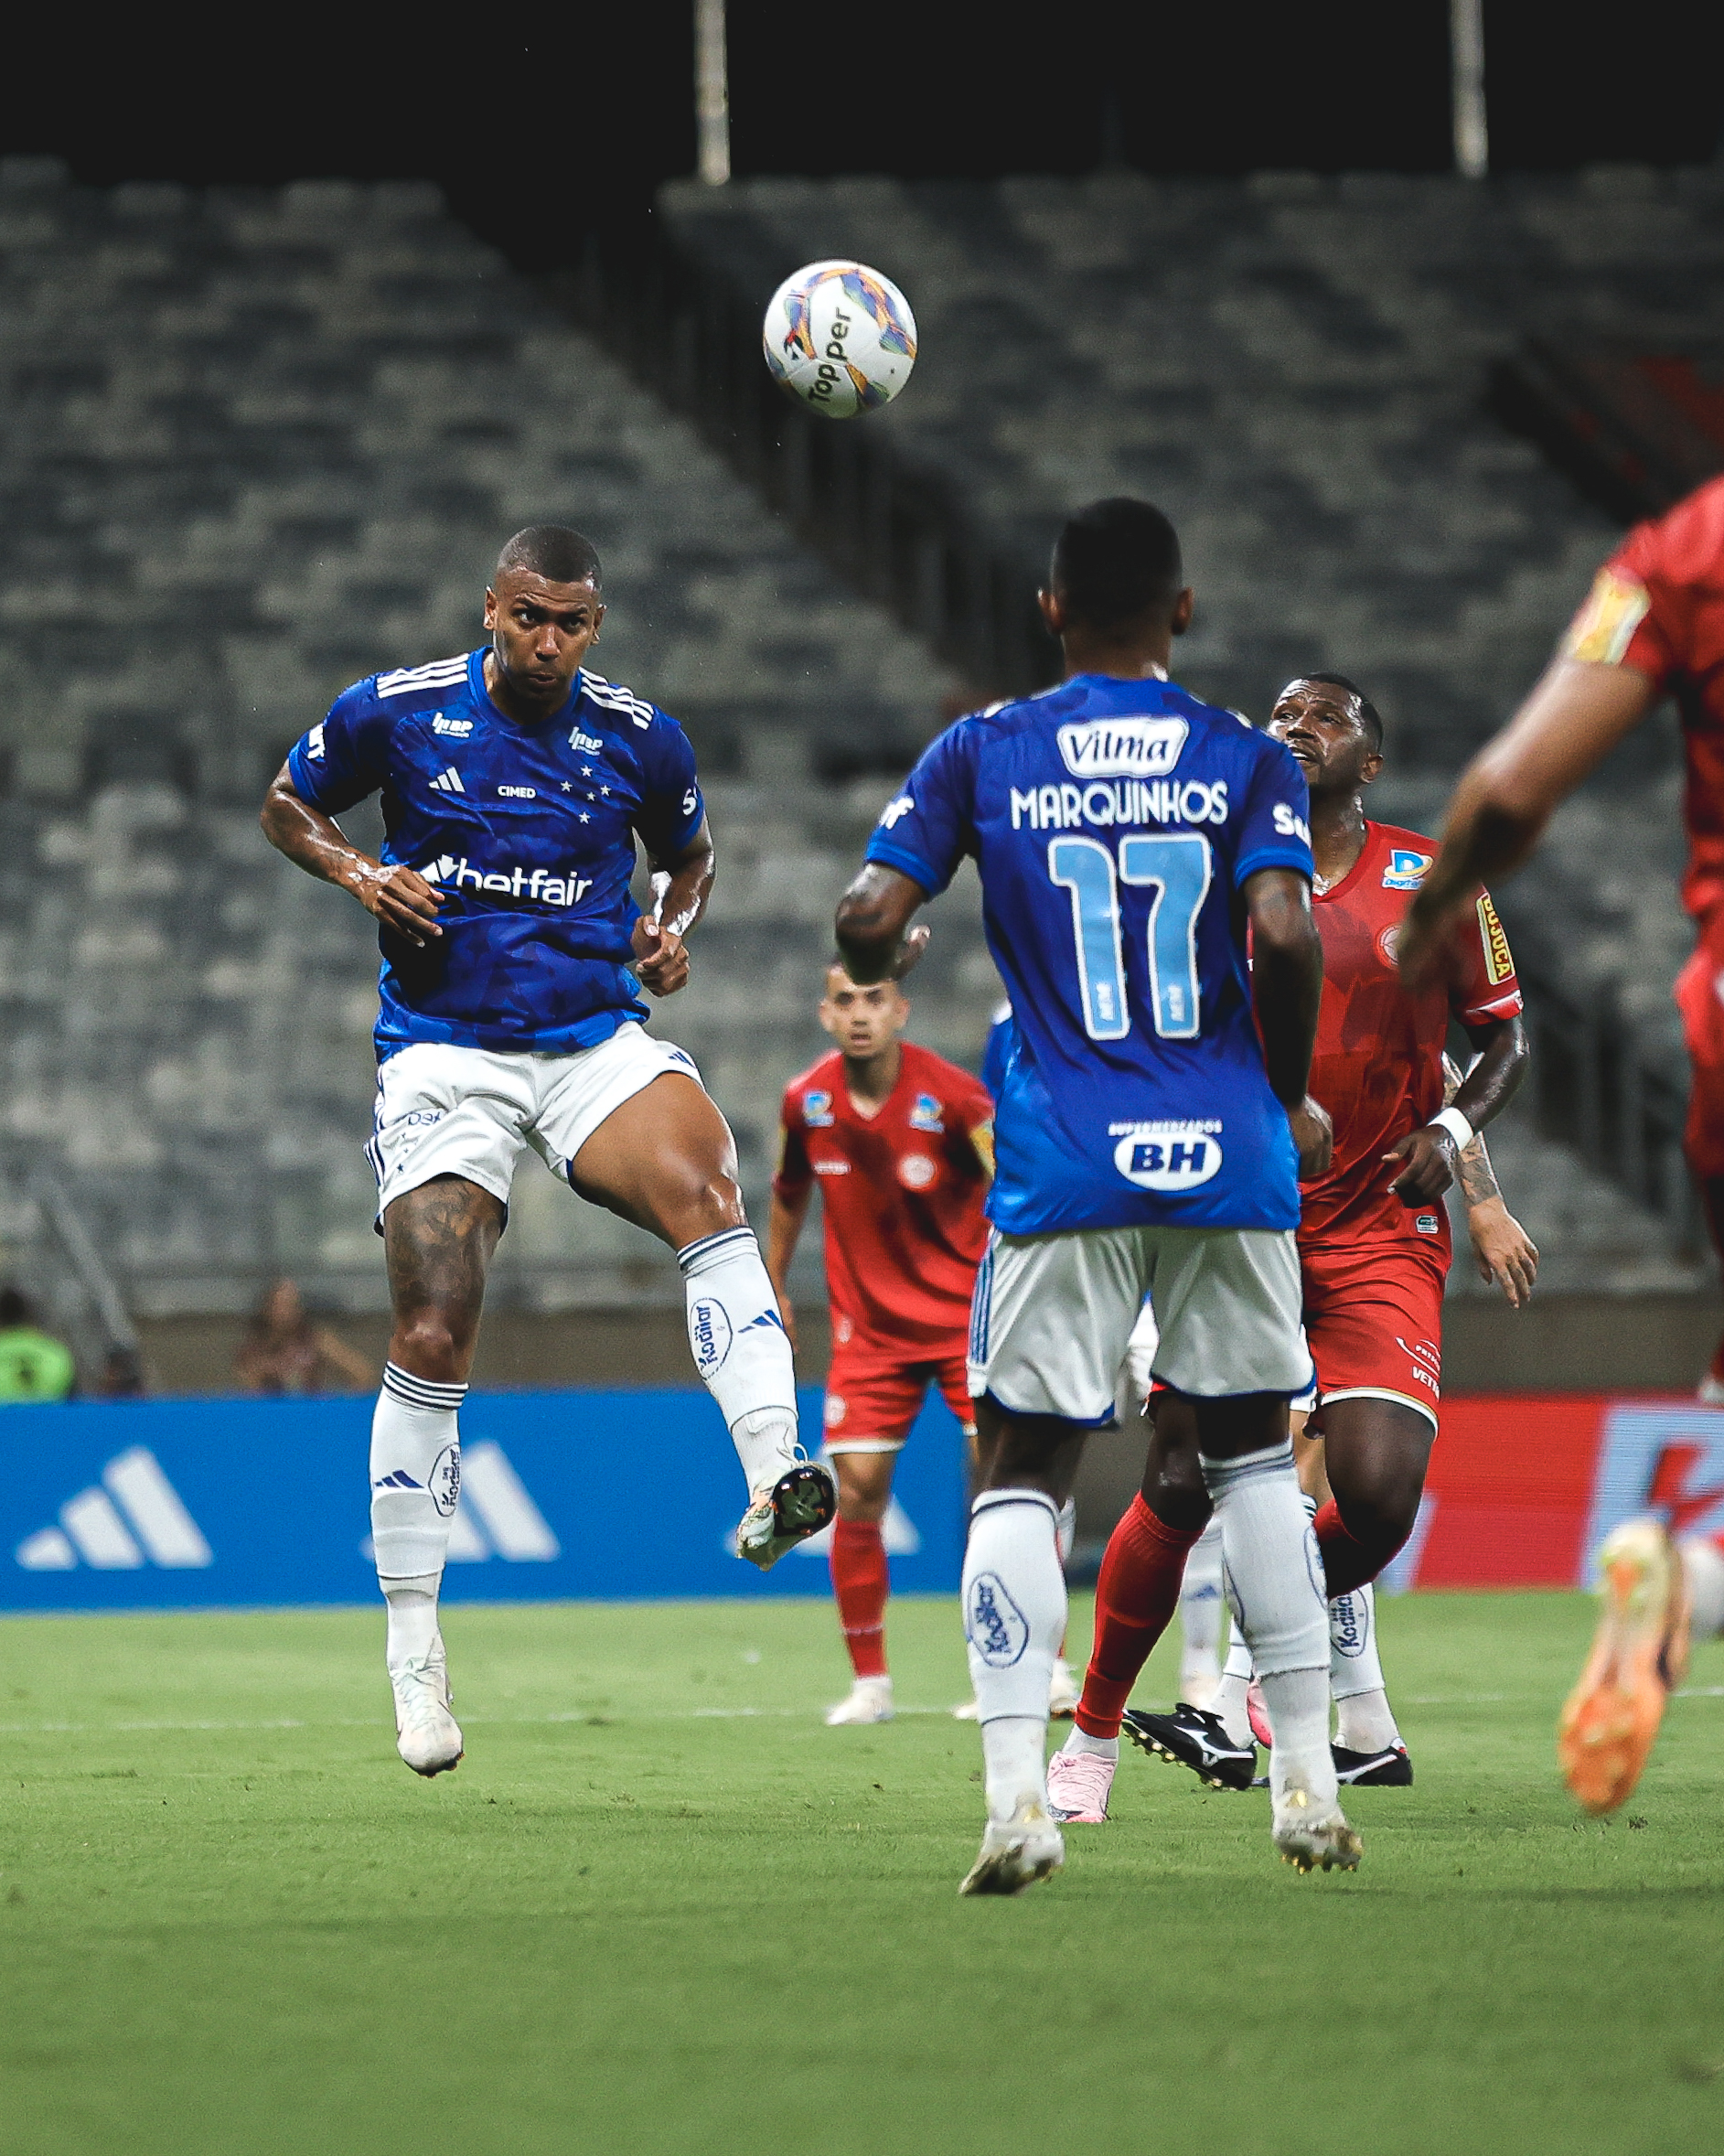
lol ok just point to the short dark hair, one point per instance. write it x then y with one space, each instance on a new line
1116 561
554 553
1367 709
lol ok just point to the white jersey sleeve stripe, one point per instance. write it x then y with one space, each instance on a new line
439 674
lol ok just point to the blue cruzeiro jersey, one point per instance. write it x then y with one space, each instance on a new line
528 832
1113 823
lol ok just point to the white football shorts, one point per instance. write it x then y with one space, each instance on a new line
1053 1315
446 1111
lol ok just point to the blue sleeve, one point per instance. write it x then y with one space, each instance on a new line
925 829
672 806
344 758
1275 818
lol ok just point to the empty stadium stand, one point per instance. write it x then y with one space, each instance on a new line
253 446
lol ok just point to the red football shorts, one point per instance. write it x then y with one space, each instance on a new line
874 1393
1374 1319
1698 1000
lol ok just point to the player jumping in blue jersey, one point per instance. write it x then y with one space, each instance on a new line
1151 1125
515 782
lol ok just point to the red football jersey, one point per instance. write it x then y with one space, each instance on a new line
1378 1065
1658 605
903 1192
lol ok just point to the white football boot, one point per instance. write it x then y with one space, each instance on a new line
801 1502
1312 1840
870 1700
1016 1852
427 1735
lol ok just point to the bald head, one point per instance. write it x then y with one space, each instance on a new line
554 553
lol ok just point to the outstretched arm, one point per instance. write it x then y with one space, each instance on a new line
399 896
874 936
1287 988
680 888
1565 728
1502 1248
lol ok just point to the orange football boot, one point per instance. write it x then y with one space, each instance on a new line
1639 1655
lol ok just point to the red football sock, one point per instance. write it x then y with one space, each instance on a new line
1346 1563
1135 1596
861 1581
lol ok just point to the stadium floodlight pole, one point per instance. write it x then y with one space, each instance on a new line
711 92
1466 55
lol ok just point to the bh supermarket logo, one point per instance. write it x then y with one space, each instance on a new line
1662 1458
1169 1156
1122 749
133 1516
495 1514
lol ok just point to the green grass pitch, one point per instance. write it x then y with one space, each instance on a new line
662 1908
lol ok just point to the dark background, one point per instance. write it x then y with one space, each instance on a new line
535 127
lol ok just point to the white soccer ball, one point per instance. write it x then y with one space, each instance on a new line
840 338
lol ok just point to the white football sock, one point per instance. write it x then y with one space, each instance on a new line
1014 1618
742 1351
413 1624
1081 1741
1703 1567
1229 1704
1200 1619
415 1487
1275 1574
1355 1673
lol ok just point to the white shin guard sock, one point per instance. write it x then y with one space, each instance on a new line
742 1351
1275 1575
415 1486
1014 1618
1200 1616
1228 1703
1355 1673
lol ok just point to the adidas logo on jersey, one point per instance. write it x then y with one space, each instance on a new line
496 1515
133 1516
448 782
516 883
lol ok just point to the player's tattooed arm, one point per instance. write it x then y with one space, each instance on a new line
399 896
1501 1248
1426 1162
680 889
875 938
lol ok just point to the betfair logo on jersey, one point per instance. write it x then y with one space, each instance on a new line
1498 962
517 883
1406 870
1122 749
1167 1156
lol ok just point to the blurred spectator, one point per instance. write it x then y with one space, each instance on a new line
122 1375
283 1351
33 1364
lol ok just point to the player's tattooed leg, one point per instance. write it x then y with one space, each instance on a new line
438 1241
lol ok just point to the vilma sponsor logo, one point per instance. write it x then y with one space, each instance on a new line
1122 749
1168 1156
709 1334
993 1624
516 883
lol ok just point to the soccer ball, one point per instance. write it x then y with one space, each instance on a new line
840 338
